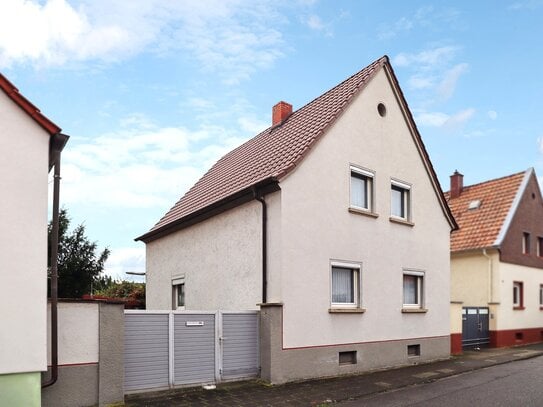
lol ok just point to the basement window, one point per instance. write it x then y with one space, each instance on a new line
347 358
413 350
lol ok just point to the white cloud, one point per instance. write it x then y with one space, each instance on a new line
459 118
427 59
421 82
52 33
448 85
142 167
492 114
123 259
431 119
540 144
443 120
232 38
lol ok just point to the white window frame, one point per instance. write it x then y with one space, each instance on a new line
405 190
518 292
369 178
420 276
356 268
176 283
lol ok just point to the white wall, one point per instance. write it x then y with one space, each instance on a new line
220 258
531 316
78 333
317 227
24 149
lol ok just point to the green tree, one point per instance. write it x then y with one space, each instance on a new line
125 290
79 265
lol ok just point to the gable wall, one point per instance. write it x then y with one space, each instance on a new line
317 227
24 150
527 218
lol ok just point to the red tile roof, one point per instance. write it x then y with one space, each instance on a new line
276 151
479 228
13 93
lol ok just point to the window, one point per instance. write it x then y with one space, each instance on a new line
345 285
361 189
518 295
400 200
347 358
178 293
540 246
412 289
541 296
526 243
413 350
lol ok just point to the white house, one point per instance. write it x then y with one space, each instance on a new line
30 146
332 223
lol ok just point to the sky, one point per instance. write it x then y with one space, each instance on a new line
153 92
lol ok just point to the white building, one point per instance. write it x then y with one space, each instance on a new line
332 222
30 146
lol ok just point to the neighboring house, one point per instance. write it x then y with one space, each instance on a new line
496 262
30 146
332 222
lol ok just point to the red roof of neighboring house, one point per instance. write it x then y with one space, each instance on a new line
27 106
480 227
276 151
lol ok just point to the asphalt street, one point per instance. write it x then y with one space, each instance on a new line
513 384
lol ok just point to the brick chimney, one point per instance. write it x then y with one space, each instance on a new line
457 184
280 112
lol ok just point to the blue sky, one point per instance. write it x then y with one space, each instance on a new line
153 92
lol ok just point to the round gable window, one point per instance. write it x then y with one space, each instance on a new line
381 108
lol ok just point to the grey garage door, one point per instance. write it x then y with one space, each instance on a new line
171 348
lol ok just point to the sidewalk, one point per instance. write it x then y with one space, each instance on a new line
332 390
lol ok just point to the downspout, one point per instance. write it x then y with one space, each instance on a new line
490 275
264 246
54 275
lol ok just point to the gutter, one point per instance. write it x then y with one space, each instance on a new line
57 144
260 198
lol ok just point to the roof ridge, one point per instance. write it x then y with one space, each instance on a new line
489 181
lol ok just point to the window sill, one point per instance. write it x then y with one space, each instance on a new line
361 211
346 310
401 221
518 308
414 310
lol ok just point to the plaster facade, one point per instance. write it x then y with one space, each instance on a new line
24 150
317 228
220 260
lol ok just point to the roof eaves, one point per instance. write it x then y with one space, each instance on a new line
13 93
261 188
514 206
420 146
